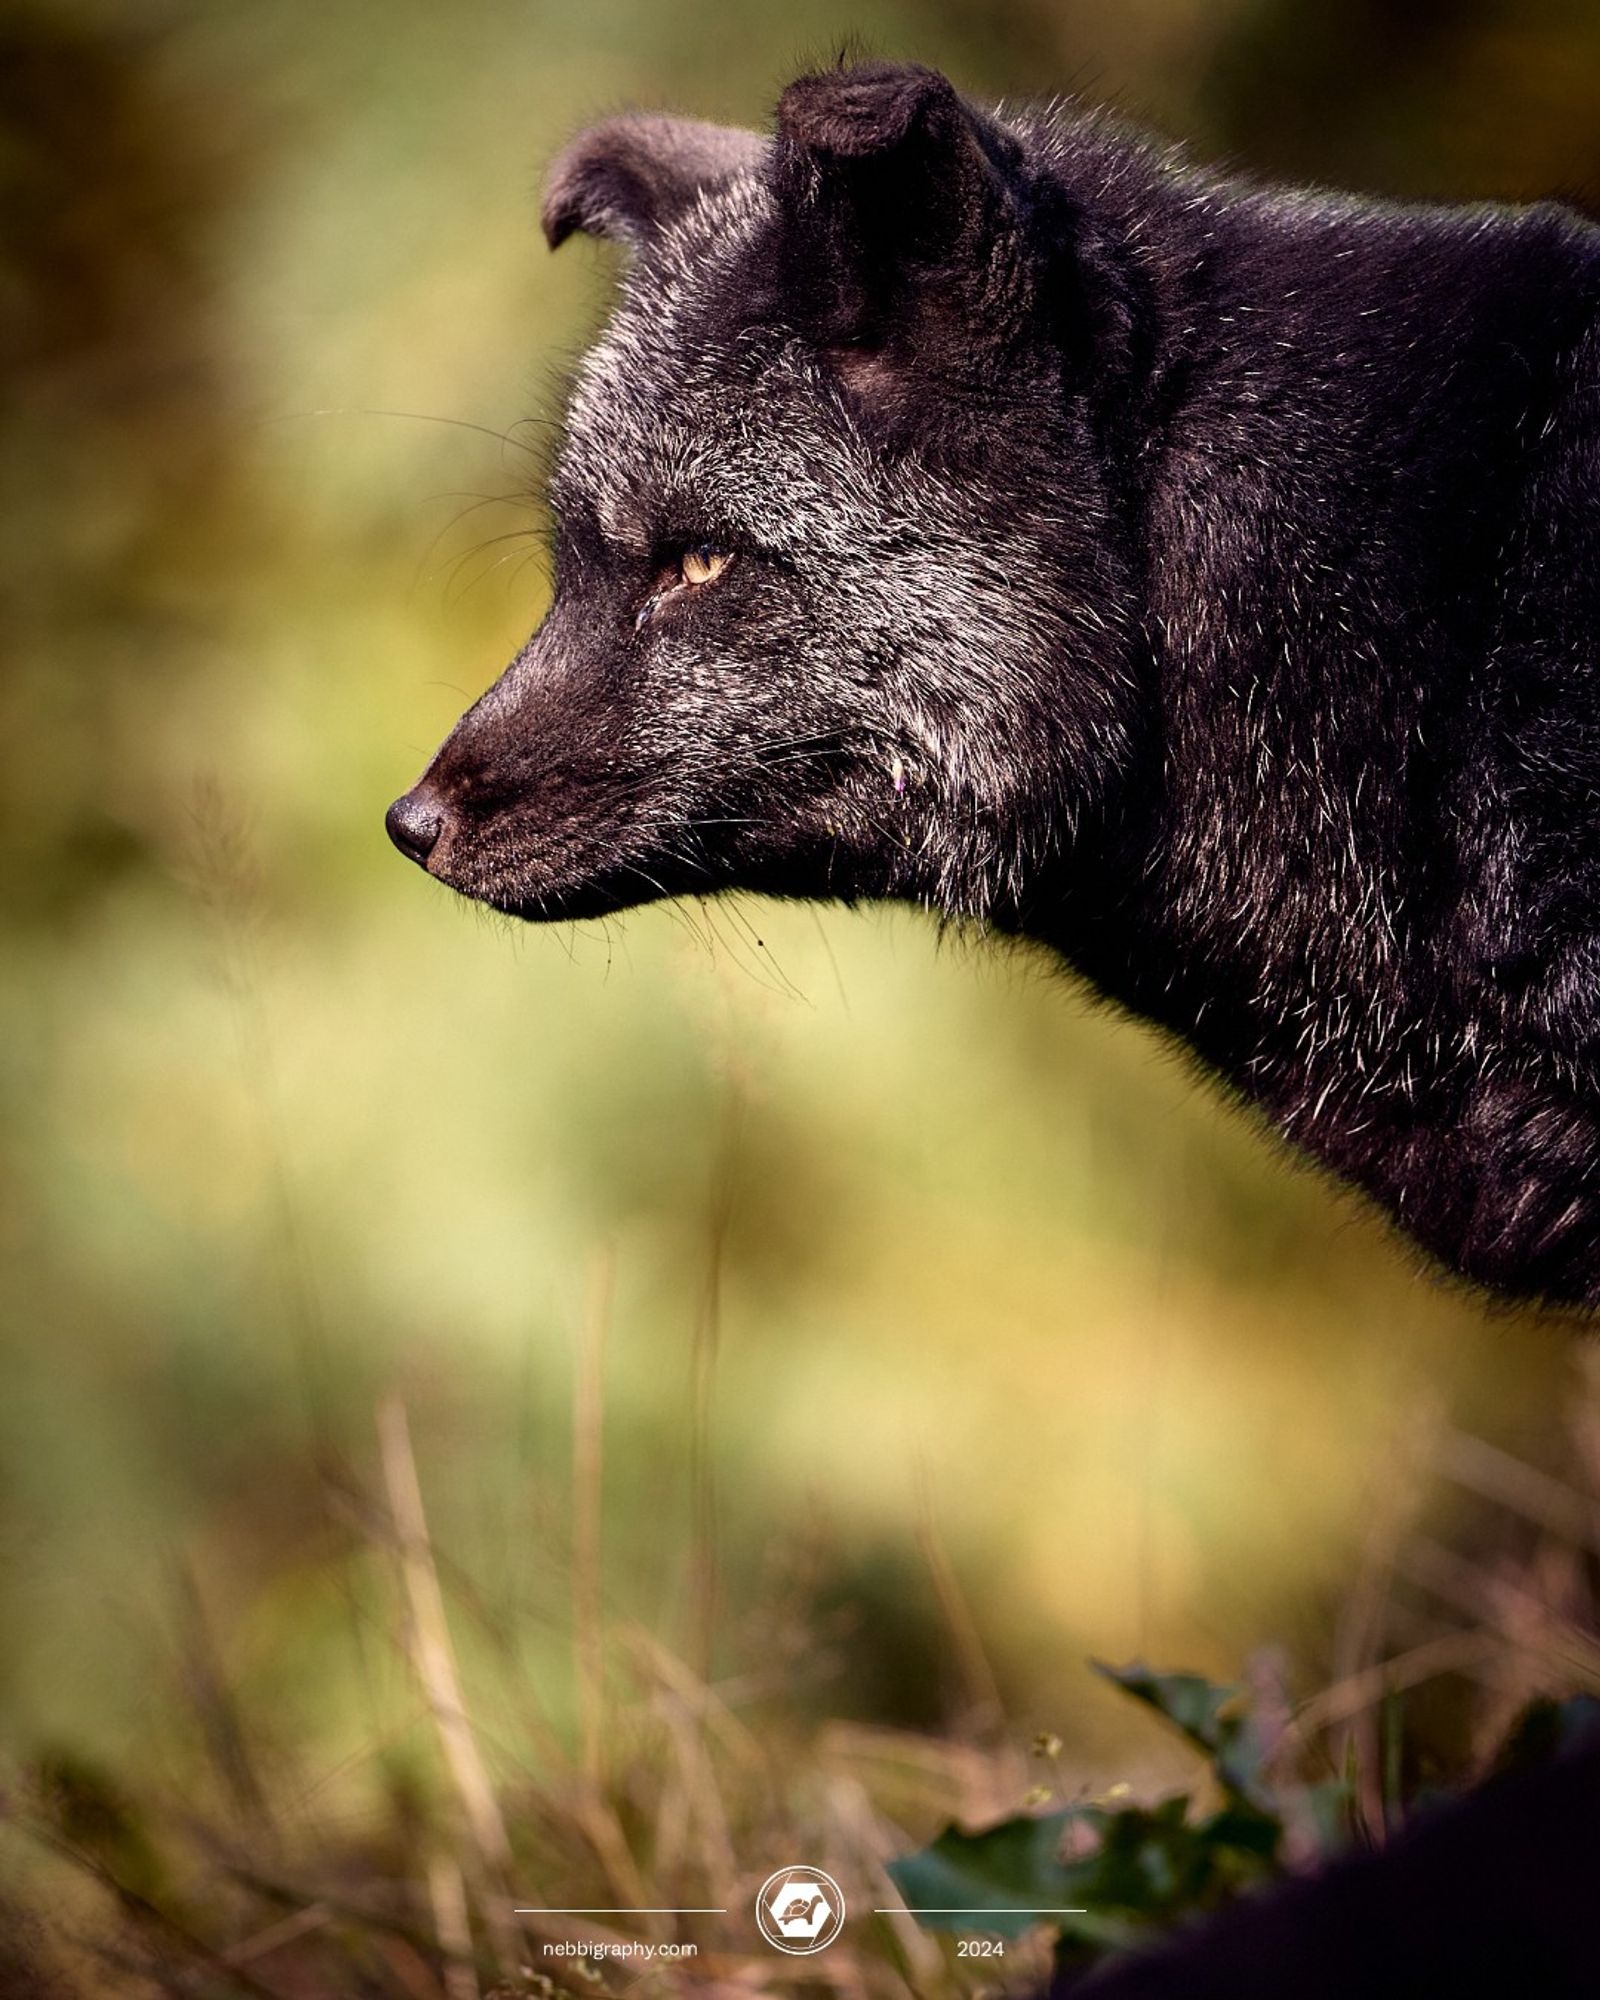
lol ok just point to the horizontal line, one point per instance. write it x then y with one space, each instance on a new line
630 1910
973 1910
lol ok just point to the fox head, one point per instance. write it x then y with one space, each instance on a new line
846 593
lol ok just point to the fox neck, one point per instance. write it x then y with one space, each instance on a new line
1332 517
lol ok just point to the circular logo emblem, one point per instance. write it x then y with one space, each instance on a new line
800 1910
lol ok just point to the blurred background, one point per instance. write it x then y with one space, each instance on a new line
866 1317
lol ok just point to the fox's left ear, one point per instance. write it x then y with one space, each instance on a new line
903 203
631 176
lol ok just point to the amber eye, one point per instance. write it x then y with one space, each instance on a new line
703 564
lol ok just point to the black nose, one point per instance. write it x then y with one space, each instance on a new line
413 824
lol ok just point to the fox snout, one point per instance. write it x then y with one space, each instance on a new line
513 805
539 802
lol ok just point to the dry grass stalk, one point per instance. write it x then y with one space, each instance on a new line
1521 1488
588 1570
986 1711
703 1557
447 1893
286 1931
434 1657
1358 1693
1360 1640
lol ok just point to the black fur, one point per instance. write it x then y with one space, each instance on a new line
1199 578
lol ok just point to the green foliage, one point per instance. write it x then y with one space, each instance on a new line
1214 1719
1106 1875
1010 1872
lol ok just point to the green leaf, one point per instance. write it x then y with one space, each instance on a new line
1150 1866
1189 1702
1157 1864
1211 1717
996 1881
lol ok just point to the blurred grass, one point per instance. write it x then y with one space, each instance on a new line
1009 1313
469 1844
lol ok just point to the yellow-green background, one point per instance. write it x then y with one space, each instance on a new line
287 1129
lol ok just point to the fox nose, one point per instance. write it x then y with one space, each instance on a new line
413 823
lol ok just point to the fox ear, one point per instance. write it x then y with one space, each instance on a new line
628 178
905 196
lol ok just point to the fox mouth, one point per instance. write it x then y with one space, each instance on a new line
584 842
577 903
538 876
620 887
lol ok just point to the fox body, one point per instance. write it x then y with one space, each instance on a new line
997 511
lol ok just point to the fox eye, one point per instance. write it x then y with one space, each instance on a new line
699 565
703 564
